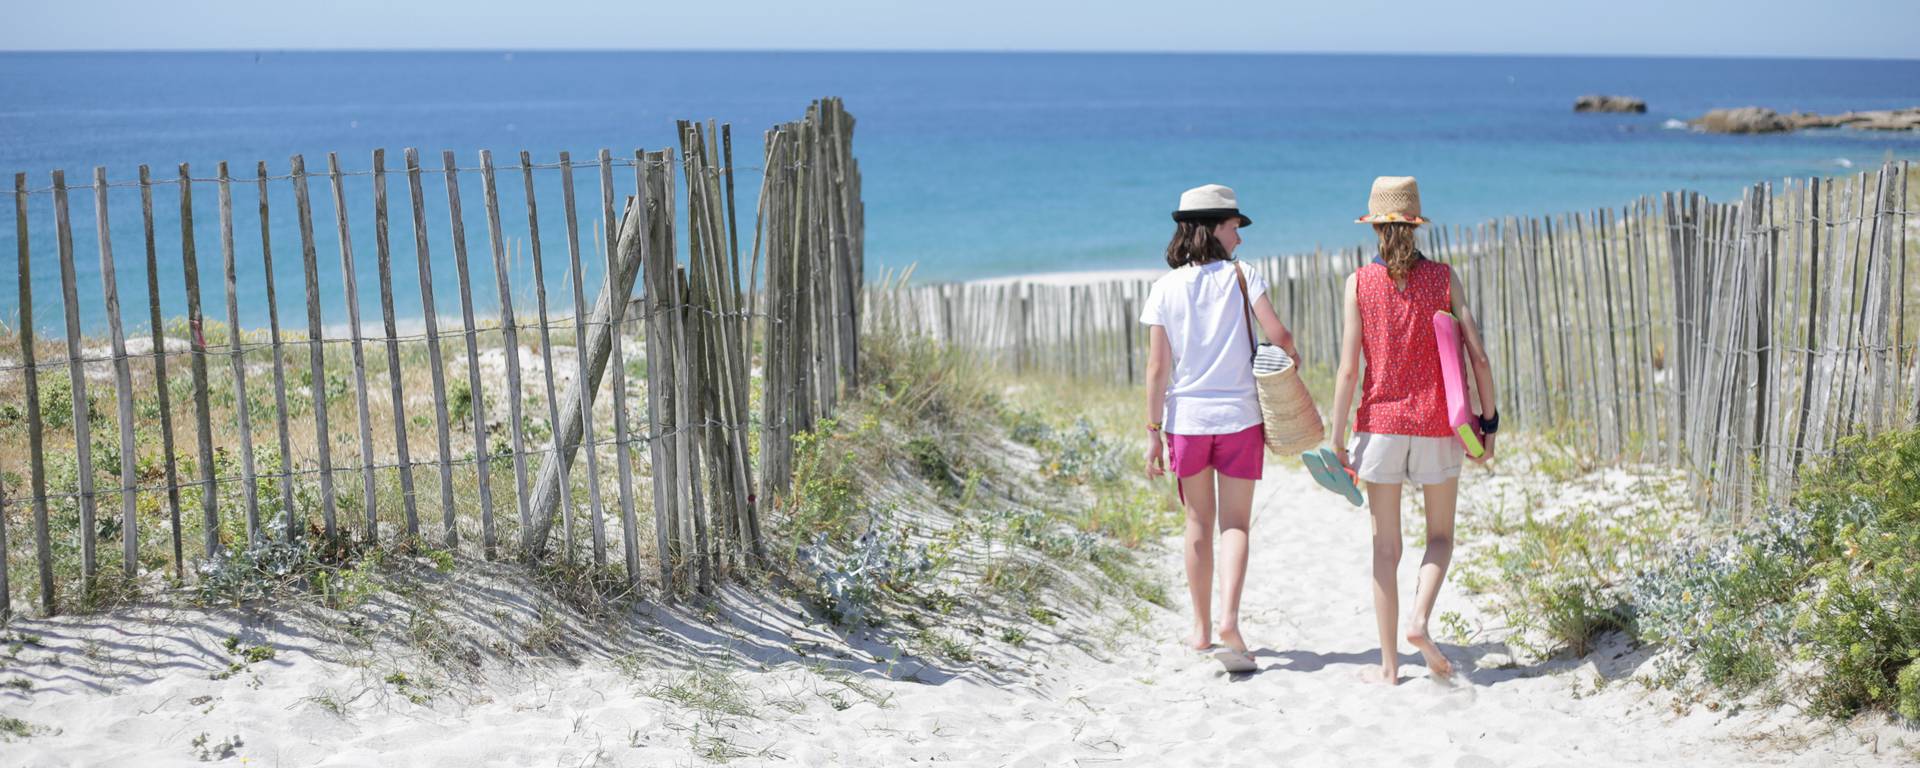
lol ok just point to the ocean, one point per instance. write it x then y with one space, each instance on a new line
975 164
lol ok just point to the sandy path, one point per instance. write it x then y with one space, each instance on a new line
1309 618
1147 703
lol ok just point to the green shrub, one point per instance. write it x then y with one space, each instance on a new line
1909 692
823 498
1832 578
1039 531
337 569
1731 601
1560 580
852 585
1028 428
459 402
1738 661
1862 621
1079 455
56 399
1882 472
266 566
932 462
347 587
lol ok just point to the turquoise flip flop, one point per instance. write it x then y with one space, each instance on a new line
1322 473
1343 478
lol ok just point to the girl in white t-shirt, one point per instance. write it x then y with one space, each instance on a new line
1201 406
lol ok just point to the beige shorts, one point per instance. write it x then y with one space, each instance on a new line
1402 458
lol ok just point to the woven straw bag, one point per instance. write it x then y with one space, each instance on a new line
1286 408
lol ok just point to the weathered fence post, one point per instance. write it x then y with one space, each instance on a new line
609 312
77 375
36 456
384 255
123 385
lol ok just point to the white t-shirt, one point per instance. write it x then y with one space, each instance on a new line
1211 392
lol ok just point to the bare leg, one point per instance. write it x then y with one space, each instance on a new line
1198 490
1384 501
1441 499
1235 513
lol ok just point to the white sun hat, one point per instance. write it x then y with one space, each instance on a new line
1212 202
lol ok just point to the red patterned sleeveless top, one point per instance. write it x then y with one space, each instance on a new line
1402 393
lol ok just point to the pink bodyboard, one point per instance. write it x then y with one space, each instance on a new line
1446 334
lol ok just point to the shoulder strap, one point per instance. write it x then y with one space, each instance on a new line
1247 303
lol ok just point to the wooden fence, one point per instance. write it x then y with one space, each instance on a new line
265 469
1733 339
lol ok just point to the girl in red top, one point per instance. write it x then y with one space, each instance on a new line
1403 434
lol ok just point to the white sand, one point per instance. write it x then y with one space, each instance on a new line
134 693
1074 278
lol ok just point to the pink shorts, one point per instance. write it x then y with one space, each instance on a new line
1234 455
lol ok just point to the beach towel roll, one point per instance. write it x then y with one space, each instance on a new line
1460 416
1292 422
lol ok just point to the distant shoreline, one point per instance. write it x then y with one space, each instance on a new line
1077 278
1558 55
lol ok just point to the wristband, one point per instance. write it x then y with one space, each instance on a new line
1153 426
1489 426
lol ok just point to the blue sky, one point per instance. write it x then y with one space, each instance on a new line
1829 28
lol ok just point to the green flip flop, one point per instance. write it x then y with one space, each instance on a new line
1343 478
1322 473
1326 470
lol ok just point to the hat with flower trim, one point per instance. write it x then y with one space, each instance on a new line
1394 200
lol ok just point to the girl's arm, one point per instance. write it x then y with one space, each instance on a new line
1159 371
1272 328
1348 376
1477 359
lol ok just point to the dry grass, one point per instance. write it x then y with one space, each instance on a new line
155 545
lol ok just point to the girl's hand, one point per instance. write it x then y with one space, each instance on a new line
1487 455
1156 458
1341 454
1286 343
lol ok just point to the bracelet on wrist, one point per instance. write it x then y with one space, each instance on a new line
1153 426
1490 424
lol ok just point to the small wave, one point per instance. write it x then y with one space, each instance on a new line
1675 125
1843 162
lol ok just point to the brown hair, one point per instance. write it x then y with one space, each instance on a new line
1396 248
1193 243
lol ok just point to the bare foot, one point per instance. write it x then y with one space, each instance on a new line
1381 675
1437 664
1230 637
1199 641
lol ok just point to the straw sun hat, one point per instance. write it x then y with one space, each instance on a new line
1395 199
1212 202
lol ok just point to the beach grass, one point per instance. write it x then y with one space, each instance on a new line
1813 604
959 504
154 508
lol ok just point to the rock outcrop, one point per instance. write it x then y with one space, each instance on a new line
1743 120
1762 120
1599 103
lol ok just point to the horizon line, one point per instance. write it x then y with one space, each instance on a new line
988 51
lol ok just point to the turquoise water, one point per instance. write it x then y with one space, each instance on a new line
975 165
